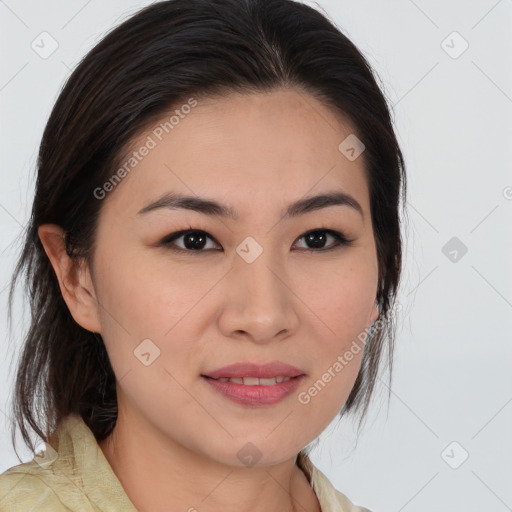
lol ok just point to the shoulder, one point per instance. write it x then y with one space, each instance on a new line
347 505
29 486
330 499
22 488
71 473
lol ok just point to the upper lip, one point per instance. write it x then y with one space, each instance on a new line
262 371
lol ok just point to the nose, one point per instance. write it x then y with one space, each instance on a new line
259 303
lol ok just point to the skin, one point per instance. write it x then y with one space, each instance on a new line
176 440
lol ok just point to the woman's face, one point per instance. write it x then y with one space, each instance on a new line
249 288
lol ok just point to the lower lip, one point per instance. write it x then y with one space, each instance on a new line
255 395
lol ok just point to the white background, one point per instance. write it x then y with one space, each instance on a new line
452 379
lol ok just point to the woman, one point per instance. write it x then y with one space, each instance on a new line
213 257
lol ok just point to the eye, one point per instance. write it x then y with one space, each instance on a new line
318 237
194 240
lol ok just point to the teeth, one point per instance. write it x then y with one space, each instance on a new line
255 381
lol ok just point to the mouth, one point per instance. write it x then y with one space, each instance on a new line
251 374
254 381
253 391
251 384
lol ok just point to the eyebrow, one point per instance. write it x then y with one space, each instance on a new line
206 206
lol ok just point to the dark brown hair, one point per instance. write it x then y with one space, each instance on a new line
168 52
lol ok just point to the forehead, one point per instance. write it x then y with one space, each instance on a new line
260 148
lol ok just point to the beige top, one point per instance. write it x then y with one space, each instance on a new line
78 477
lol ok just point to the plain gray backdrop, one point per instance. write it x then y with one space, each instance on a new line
444 443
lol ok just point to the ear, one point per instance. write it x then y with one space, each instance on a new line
74 278
374 313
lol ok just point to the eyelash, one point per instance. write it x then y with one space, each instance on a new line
341 240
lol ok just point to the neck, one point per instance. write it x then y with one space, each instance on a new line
159 474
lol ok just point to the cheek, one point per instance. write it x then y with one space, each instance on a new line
147 296
145 299
350 303
341 295
341 303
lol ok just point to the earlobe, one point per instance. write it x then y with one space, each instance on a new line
74 279
375 313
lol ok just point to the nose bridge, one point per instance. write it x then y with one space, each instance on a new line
259 301
258 282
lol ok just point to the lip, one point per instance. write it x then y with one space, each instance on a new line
255 395
262 371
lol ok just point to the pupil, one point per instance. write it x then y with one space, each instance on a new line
196 240
316 238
